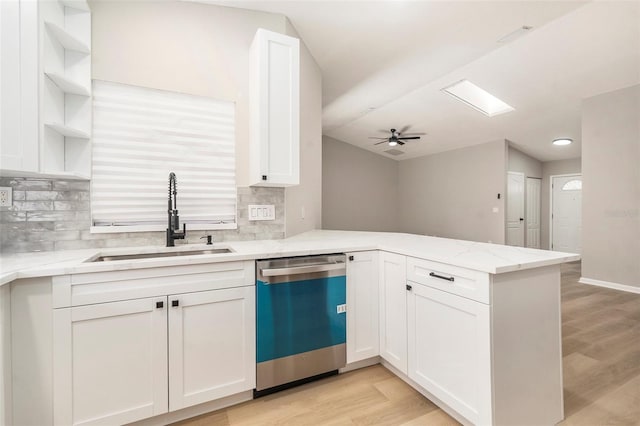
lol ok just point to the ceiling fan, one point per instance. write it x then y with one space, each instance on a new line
397 137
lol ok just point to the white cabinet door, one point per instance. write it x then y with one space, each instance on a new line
393 309
362 306
275 109
19 85
449 350
110 362
211 345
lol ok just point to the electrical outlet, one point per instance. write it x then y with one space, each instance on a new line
6 199
262 212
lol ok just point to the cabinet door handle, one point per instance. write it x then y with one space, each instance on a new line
442 277
159 305
351 258
175 303
409 287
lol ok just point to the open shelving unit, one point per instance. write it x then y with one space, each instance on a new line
65 89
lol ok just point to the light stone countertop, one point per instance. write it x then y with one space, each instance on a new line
484 257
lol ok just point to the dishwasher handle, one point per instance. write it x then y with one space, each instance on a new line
275 272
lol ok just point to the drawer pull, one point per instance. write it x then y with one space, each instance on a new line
442 277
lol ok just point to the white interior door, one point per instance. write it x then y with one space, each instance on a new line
566 213
515 209
533 213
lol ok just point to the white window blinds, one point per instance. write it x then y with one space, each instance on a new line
140 135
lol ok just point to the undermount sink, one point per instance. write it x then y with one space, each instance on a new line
109 258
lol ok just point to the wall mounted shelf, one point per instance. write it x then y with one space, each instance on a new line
66 39
67 85
68 131
76 4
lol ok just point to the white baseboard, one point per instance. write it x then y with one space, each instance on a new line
607 284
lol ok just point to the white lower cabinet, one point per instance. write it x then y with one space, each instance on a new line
393 309
119 362
211 345
110 362
362 306
449 350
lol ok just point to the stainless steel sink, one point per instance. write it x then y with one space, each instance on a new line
109 258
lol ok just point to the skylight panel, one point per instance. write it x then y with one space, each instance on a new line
478 98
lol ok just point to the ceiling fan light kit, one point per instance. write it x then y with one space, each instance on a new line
397 137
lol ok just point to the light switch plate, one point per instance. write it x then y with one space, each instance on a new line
6 196
262 212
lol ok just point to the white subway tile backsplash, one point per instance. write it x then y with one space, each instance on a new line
50 214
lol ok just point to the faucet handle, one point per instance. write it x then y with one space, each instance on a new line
209 238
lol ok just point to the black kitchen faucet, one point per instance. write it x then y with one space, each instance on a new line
173 228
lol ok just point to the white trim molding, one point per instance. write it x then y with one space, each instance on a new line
607 284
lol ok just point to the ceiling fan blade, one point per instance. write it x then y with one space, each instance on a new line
404 129
384 141
374 137
414 134
400 143
410 137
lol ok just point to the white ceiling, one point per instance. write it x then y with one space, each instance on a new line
395 56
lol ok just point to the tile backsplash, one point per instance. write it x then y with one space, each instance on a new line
52 214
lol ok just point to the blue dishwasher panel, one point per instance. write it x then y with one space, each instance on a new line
285 328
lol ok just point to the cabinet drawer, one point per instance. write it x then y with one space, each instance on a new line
452 279
101 287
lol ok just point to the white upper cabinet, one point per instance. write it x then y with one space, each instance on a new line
45 90
275 109
18 86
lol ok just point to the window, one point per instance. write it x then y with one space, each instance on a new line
572 185
140 135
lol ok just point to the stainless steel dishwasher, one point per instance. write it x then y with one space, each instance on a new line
300 320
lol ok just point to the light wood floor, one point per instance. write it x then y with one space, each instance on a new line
601 349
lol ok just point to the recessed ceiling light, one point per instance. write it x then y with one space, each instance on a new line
562 141
477 98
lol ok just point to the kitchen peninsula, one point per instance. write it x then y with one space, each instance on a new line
474 327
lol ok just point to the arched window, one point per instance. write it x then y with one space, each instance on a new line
572 185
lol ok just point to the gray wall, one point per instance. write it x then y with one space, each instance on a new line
551 168
304 202
359 188
50 214
611 187
518 161
452 194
